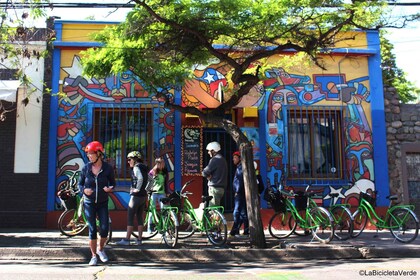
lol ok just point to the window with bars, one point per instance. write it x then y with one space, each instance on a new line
122 130
315 142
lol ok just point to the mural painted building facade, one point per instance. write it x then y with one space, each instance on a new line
311 126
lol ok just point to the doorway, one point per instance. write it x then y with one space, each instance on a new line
228 147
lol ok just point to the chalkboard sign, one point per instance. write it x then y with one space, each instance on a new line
191 150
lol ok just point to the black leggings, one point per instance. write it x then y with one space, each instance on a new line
136 207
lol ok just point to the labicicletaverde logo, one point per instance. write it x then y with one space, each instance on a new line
387 272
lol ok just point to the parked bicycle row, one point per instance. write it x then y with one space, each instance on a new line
178 219
298 213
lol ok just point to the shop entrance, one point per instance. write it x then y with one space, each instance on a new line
228 147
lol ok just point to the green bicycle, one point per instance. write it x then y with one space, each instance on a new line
343 219
164 222
399 219
73 221
208 219
301 219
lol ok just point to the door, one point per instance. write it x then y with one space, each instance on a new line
228 147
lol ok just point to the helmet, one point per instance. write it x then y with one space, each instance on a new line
134 154
215 146
237 153
94 146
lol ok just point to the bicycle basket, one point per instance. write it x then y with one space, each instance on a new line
69 202
270 194
175 200
301 201
279 204
369 198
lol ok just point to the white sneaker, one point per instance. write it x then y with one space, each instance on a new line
124 242
93 261
138 242
102 256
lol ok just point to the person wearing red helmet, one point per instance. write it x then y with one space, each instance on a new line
240 215
96 180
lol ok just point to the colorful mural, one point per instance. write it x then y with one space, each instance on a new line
283 88
345 82
74 128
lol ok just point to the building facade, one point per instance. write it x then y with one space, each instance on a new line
323 128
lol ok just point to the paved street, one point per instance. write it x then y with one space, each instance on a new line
302 270
50 245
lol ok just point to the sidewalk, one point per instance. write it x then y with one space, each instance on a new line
24 244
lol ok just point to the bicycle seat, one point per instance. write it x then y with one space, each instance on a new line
334 194
206 198
392 197
165 200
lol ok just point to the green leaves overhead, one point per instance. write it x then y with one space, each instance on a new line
161 40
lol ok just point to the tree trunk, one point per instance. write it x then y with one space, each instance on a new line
256 229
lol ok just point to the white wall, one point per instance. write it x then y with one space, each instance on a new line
28 119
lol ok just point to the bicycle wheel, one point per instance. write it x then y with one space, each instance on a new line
148 233
295 225
186 225
359 222
322 224
70 224
215 226
279 226
170 228
403 224
343 222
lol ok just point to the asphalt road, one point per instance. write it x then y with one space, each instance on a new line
302 270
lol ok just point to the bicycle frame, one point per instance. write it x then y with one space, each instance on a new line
374 218
200 220
160 226
302 221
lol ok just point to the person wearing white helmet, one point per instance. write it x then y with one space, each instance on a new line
216 173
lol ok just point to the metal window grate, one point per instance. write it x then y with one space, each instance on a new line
315 142
123 128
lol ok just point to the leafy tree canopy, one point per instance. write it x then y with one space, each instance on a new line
394 76
161 40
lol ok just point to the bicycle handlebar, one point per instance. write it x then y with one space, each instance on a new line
186 184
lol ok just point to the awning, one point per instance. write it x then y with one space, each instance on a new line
8 90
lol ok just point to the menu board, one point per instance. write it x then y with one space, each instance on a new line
191 150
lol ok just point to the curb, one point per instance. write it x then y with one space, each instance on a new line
210 255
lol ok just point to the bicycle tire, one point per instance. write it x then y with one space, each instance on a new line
215 226
278 227
343 222
170 228
70 224
322 224
186 225
403 224
147 234
359 222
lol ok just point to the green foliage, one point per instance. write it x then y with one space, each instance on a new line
16 51
161 40
394 76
